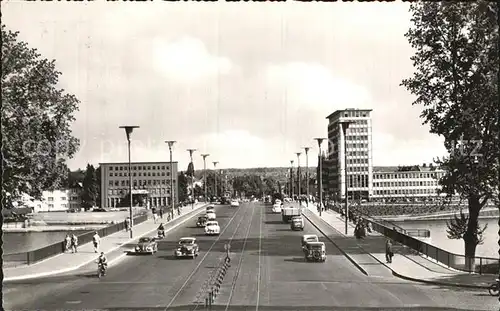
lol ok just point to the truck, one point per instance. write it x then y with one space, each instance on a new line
288 212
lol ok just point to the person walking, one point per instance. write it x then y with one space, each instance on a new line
127 223
96 239
388 251
74 243
161 212
67 241
155 216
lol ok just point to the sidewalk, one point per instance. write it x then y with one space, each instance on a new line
407 263
67 262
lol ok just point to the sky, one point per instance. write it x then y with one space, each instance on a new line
248 83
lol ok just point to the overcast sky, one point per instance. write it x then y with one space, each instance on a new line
247 83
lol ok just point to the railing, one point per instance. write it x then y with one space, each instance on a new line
481 265
34 256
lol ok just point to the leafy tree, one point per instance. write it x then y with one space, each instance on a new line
182 187
457 227
98 186
90 188
456 80
36 122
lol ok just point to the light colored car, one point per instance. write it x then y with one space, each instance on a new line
211 215
276 208
187 248
146 245
235 203
212 228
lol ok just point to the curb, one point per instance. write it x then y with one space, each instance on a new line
341 250
187 216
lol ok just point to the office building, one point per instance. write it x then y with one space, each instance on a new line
150 184
359 155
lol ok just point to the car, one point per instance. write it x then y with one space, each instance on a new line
146 245
212 228
277 208
202 221
210 215
210 207
306 238
235 203
187 248
297 223
315 251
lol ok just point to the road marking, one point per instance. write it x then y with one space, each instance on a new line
202 259
260 250
75 302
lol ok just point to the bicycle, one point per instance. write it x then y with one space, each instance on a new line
493 289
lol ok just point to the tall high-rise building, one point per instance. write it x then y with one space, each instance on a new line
359 155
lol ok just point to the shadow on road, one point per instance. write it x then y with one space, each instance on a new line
274 222
295 259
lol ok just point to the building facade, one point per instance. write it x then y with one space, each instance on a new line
416 183
56 200
358 138
150 183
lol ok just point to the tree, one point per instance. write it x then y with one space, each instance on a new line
90 188
457 227
98 186
456 80
36 122
182 187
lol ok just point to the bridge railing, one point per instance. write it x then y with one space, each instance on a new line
481 265
37 255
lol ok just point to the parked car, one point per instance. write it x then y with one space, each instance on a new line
212 228
315 251
277 208
202 221
297 223
210 215
146 245
235 203
187 248
306 238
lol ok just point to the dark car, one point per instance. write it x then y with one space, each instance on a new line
146 245
202 221
315 251
187 248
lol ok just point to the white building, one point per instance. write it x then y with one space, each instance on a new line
59 200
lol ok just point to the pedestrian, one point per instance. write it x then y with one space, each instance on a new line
161 212
67 244
127 223
74 243
96 239
155 216
388 251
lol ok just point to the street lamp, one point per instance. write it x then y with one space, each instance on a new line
172 192
128 131
298 174
291 179
205 174
320 140
307 174
191 151
215 178
345 126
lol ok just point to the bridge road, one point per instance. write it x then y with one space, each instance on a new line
141 282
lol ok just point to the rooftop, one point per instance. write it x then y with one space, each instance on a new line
336 112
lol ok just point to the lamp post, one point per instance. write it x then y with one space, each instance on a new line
291 179
205 174
299 191
128 131
307 174
345 126
172 191
320 164
215 178
191 151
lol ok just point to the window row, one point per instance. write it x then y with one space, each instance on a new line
408 175
406 183
357 181
139 182
125 174
151 191
357 145
405 191
73 198
357 161
140 167
357 137
357 168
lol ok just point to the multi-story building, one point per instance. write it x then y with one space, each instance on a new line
359 155
150 181
410 183
57 200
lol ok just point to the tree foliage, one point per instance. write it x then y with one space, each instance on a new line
36 120
456 63
457 227
91 187
182 187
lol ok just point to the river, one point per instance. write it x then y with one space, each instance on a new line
17 242
439 236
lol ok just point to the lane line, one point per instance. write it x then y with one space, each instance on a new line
202 259
260 255
238 269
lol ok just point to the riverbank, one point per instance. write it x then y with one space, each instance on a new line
490 213
55 228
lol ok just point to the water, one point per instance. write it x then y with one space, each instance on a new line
439 236
17 242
